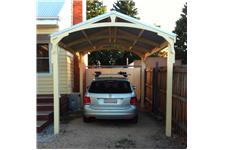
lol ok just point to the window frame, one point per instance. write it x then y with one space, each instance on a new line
49 73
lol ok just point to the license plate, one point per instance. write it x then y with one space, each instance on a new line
110 101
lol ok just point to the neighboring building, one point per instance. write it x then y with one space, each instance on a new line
52 16
150 62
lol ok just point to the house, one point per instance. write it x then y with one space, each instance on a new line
53 16
150 62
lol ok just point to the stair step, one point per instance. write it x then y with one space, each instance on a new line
45 107
45 104
44 99
41 125
44 112
44 115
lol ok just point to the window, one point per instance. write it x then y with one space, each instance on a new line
43 58
110 86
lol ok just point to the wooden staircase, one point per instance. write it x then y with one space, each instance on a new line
44 111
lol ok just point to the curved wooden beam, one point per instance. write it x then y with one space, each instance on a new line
154 50
114 34
120 42
122 48
95 35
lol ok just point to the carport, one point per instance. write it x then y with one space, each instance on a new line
113 31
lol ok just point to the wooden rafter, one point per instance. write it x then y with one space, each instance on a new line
96 35
154 50
119 43
89 41
66 47
143 40
138 37
123 37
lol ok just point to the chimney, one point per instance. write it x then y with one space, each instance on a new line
77 11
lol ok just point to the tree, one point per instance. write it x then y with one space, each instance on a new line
111 57
181 41
95 8
126 7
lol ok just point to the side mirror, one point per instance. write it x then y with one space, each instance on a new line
134 87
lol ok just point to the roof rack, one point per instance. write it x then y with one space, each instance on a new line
98 73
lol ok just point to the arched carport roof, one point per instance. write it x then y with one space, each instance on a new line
113 30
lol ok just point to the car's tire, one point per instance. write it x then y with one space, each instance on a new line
86 120
134 120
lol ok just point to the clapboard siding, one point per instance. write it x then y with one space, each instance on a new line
45 82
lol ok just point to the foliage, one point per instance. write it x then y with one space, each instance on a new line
126 7
95 8
181 40
111 57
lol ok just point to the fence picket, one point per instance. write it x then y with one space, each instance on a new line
179 107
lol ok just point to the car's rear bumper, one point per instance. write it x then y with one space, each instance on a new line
127 113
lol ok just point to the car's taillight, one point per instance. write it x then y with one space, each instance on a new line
87 100
133 101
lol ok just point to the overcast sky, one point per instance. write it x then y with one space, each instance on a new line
160 12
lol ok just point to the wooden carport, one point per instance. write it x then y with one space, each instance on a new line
113 31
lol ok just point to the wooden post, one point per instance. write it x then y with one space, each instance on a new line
55 63
170 61
142 82
81 66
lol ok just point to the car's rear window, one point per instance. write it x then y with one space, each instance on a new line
110 86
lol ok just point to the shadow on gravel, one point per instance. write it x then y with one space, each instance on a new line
113 123
68 117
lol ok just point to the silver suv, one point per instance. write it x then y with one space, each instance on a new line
110 98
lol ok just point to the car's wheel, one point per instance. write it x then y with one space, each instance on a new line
85 119
134 120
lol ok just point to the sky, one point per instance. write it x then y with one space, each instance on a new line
159 12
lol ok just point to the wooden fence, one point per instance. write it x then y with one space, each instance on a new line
155 95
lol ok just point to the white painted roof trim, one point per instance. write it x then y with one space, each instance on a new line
47 22
122 16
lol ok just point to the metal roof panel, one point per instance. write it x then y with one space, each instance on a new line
49 8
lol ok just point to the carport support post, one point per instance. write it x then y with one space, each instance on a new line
142 82
55 63
81 66
170 61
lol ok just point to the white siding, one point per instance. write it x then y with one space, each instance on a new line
45 82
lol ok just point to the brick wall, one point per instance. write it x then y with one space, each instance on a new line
76 74
77 18
77 11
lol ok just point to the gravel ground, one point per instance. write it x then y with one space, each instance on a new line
103 134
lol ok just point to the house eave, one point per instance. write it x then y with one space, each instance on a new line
47 22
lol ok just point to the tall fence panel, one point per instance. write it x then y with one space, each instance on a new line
179 97
148 89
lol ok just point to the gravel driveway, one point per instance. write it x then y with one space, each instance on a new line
103 134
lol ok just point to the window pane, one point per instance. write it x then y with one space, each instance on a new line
110 86
42 65
42 50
